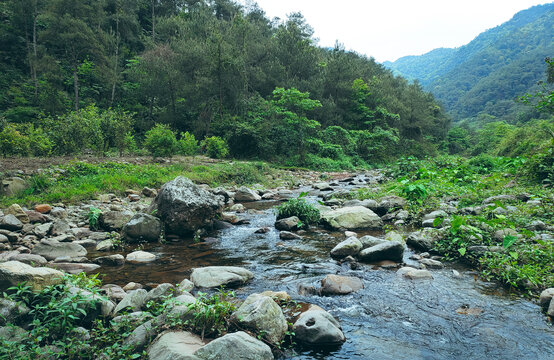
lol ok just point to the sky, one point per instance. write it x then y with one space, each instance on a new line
389 29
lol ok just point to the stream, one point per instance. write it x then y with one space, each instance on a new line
453 316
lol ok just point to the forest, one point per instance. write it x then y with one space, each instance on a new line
97 76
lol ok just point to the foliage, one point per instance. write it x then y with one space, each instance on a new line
215 147
160 141
93 216
188 145
299 207
12 142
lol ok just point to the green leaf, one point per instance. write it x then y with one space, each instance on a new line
438 220
509 240
514 254
462 251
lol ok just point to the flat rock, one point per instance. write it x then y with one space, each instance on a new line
340 285
391 250
10 222
14 272
142 227
110 260
216 276
287 235
52 249
75 268
140 257
352 218
414 274
175 345
235 346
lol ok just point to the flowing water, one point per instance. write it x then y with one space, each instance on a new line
450 317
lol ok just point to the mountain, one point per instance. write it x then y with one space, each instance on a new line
486 75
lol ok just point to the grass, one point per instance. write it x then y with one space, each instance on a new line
79 181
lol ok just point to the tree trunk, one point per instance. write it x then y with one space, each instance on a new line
153 22
116 60
35 57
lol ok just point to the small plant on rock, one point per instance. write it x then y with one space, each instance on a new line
299 207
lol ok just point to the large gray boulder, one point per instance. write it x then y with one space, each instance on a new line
262 314
245 194
114 220
318 327
235 346
391 250
142 227
216 276
14 272
175 345
184 207
134 299
349 247
12 186
52 249
352 218
287 224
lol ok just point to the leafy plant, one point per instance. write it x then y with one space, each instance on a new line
299 207
215 147
160 141
93 216
210 314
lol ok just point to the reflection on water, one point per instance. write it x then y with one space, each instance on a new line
391 318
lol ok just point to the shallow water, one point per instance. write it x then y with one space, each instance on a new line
391 318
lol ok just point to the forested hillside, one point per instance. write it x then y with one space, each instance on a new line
485 76
207 68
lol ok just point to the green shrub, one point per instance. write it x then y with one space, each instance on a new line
160 141
188 145
215 147
13 142
307 213
40 143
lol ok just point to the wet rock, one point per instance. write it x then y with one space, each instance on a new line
245 194
278 296
235 346
349 234
10 222
287 235
287 224
305 290
352 218
546 297
318 328
30 259
229 217
142 227
351 246
114 220
432 264
239 208
340 285
51 249
421 240
132 286
134 300
550 311
263 230
11 312
221 225
322 186
391 250
414 274
262 314
216 276
110 260
15 272
105 245
369 241
139 257
184 207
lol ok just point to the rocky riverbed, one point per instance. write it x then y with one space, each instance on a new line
367 292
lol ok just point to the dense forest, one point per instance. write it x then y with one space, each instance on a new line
96 75
480 81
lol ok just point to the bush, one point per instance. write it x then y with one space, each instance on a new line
188 145
12 142
215 147
307 213
160 141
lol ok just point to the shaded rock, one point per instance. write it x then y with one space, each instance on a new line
110 260
420 240
499 198
351 218
160 291
114 220
134 300
391 250
52 249
368 241
14 272
10 222
175 345
262 314
546 297
11 312
318 328
221 225
340 285
414 274
142 227
351 246
500 234
235 346
432 264
105 245
13 333
216 276
245 194
287 224
184 207
140 257
114 292
148 192
287 235
30 259
263 230
12 186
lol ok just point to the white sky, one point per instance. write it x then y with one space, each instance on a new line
389 29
